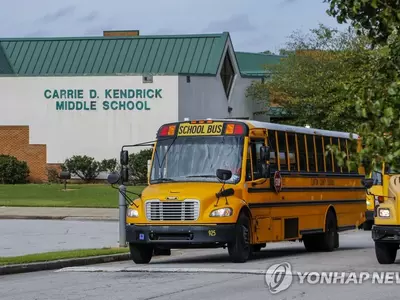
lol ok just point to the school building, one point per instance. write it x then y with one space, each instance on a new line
90 95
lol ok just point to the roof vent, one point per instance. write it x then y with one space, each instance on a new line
121 33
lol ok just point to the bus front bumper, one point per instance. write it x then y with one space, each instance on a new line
385 233
181 235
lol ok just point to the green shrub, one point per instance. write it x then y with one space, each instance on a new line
52 175
109 165
138 165
12 170
85 167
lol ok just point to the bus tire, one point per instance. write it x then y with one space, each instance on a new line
330 238
385 252
240 250
141 254
367 225
312 242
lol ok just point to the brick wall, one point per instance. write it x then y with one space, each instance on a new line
14 140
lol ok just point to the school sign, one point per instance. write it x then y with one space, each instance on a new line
106 99
89 115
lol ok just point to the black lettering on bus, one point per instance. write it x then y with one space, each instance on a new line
214 129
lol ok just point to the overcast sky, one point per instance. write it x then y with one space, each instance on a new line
255 25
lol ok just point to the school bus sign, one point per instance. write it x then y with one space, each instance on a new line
187 129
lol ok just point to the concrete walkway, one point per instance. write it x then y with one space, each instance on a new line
59 213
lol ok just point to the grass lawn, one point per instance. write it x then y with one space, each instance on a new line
53 195
51 256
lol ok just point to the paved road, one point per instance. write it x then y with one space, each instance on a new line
19 237
208 274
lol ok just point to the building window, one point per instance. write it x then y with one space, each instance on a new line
227 74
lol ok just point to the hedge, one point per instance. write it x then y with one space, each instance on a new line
12 170
88 169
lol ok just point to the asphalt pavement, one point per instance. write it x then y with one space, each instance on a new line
209 274
20 237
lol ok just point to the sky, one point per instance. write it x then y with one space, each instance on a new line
254 25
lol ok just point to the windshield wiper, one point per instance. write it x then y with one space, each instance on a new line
205 176
162 180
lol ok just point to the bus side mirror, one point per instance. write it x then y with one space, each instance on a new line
265 153
125 174
367 182
224 175
113 178
124 158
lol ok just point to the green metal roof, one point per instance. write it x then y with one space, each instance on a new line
256 64
5 67
180 54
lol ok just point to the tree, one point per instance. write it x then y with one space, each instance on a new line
376 93
378 18
85 167
268 52
12 170
138 165
311 83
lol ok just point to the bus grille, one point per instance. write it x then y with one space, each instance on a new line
187 210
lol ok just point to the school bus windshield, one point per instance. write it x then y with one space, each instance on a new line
196 158
391 170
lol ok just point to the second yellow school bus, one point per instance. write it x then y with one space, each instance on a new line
242 184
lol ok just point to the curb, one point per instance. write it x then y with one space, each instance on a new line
11 217
62 263
66 218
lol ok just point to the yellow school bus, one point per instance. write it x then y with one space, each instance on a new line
386 228
242 184
376 189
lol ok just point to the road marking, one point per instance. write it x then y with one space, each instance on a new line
163 270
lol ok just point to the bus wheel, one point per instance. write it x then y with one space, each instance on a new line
312 242
330 237
141 254
240 249
367 226
385 252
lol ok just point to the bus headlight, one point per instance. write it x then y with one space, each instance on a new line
132 213
222 212
384 212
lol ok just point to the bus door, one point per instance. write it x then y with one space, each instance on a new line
257 190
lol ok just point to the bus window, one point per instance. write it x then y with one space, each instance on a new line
302 152
272 144
343 148
320 154
328 154
282 150
291 138
377 177
248 165
391 170
255 157
311 153
335 142
352 149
